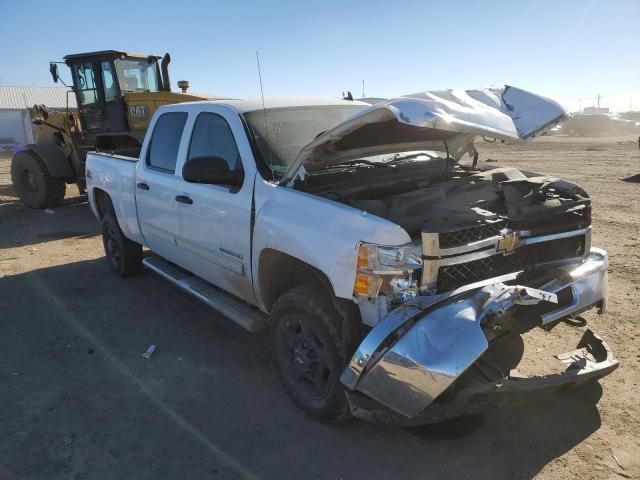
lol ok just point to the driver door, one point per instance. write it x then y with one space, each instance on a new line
215 220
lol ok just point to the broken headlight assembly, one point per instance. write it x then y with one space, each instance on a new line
388 270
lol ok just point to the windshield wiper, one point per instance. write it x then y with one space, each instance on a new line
400 157
361 161
353 163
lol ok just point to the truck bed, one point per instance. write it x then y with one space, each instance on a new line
115 174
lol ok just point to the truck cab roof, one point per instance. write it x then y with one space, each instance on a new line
253 104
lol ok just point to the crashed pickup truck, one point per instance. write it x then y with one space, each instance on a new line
392 268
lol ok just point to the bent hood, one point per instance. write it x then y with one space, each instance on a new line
446 120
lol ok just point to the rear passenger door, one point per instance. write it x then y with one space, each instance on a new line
156 185
215 230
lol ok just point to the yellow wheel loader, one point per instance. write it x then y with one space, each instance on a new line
117 94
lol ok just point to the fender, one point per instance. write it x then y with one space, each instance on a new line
54 159
289 221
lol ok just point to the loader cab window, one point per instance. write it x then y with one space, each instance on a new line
109 83
86 83
84 78
137 75
165 142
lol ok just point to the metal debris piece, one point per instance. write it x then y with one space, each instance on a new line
149 352
49 211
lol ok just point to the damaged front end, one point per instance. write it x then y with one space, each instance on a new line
427 360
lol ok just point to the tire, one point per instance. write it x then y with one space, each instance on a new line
35 187
123 255
306 336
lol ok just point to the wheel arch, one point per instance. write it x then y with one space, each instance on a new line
54 159
104 204
278 272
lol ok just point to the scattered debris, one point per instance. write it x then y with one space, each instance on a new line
632 179
149 352
49 211
617 461
490 160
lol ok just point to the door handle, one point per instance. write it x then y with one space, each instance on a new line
184 199
142 186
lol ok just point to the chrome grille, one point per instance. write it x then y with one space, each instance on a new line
470 235
526 257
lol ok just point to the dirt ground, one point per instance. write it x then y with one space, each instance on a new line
77 401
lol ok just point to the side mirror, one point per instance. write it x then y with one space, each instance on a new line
211 170
53 69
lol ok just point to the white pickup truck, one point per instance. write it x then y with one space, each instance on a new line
395 272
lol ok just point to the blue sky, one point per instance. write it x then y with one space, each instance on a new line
565 49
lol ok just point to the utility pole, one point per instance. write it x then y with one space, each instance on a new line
598 99
362 88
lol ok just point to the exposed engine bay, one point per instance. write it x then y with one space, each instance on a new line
470 223
440 195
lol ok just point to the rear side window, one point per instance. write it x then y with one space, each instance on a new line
212 137
165 141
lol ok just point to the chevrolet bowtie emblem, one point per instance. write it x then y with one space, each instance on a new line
509 241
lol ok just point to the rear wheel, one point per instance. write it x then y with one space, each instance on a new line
123 255
307 347
35 187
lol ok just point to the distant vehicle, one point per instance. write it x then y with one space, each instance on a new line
596 125
7 144
392 276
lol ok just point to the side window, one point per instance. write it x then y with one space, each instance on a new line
212 137
110 88
86 83
165 141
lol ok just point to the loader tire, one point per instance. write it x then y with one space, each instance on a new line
123 255
306 333
33 184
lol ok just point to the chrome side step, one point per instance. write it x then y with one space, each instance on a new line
248 317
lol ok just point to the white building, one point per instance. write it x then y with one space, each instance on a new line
15 122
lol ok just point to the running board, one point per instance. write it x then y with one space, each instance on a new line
248 317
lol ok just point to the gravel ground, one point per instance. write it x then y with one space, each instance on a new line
78 402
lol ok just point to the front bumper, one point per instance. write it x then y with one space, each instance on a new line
415 354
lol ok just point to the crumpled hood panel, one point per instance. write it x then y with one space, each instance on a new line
446 120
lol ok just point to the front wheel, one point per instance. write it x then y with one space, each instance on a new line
33 184
123 255
307 347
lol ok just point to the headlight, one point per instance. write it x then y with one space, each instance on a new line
387 268
388 260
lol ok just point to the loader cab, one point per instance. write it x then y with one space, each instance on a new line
101 79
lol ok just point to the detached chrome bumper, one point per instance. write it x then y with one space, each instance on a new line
419 350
